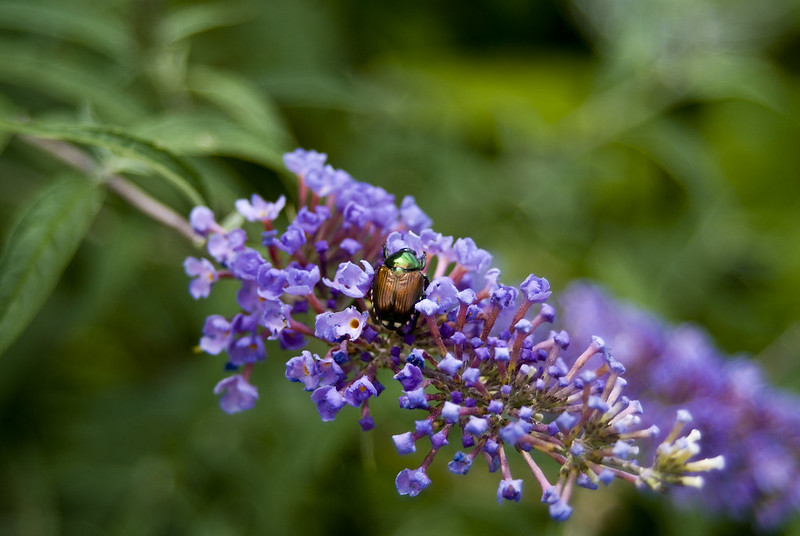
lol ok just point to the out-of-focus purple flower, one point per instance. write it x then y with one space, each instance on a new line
325 180
350 246
310 221
460 464
259 210
224 247
247 349
216 334
412 215
204 273
510 490
202 221
738 414
470 256
292 240
300 161
246 264
237 394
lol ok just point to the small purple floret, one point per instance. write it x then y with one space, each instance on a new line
237 394
412 481
510 490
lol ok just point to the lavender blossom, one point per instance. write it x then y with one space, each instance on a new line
476 366
738 415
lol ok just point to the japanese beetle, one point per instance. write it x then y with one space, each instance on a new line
397 287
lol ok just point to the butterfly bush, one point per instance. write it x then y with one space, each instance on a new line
756 427
477 364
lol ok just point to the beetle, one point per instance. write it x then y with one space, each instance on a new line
398 285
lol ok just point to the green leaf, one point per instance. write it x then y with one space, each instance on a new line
38 249
206 134
190 20
202 134
241 99
76 79
102 30
172 168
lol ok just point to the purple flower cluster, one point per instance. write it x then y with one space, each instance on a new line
740 416
476 360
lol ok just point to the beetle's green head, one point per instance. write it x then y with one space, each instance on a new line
406 259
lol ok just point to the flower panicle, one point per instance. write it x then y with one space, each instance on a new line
475 358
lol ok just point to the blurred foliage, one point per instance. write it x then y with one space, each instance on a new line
648 144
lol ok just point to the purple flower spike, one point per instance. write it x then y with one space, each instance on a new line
303 368
510 490
351 280
412 481
328 401
237 394
359 391
499 383
259 210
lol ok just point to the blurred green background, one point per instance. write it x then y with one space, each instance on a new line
649 145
